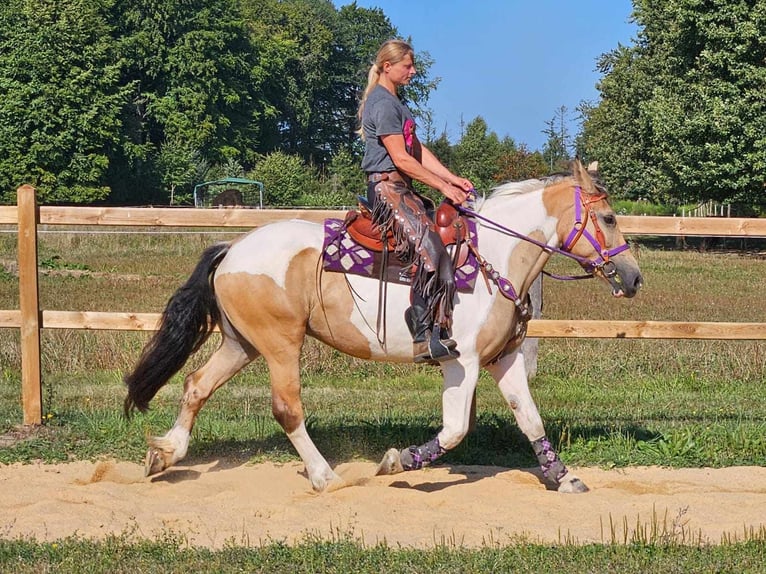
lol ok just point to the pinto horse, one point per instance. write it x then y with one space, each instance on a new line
266 292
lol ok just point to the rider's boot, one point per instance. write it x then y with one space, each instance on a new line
430 343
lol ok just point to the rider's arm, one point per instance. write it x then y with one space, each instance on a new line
432 164
408 165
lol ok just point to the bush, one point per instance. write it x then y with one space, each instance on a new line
286 179
628 207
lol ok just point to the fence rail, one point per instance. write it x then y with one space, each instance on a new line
30 319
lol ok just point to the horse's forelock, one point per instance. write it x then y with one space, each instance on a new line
558 177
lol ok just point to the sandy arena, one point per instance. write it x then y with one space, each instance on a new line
217 503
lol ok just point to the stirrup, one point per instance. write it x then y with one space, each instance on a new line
434 349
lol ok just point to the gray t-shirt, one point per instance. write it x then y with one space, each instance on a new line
384 114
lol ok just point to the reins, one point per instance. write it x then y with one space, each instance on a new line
602 264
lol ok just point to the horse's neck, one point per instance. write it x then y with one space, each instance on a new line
514 258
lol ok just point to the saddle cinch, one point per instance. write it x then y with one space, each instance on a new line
354 245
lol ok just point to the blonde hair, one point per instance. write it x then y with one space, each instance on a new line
392 51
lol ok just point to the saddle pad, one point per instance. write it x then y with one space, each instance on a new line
341 254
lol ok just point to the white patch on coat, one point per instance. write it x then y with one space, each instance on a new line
270 249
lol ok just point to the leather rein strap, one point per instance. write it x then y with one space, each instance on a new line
579 229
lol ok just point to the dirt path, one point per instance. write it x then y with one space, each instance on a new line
212 504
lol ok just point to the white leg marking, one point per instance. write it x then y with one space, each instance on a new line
173 444
459 384
319 471
511 376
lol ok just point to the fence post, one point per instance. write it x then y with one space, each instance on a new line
29 304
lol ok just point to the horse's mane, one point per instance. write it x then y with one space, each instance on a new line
529 185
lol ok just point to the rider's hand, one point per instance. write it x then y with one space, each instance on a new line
463 183
455 193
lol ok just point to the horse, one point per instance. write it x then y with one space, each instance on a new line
266 292
228 198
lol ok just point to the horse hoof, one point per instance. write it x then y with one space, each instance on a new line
323 482
391 463
573 486
154 462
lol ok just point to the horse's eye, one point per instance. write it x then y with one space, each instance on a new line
610 220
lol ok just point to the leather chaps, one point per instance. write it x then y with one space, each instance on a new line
398 209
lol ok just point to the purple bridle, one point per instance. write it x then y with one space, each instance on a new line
600 264
579 229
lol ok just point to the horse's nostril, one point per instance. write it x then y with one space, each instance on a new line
638 282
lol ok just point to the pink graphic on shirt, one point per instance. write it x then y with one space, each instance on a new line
409 134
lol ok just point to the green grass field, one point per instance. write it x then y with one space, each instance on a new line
605 403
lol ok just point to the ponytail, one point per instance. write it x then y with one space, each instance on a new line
392 51
373 77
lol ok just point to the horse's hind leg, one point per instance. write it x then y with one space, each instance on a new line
511 376
287 408
231 356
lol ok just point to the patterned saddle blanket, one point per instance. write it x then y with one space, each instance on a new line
350 252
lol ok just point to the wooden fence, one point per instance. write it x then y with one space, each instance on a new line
30 319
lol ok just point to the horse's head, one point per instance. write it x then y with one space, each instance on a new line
587 228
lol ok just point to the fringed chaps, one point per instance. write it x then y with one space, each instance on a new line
399 210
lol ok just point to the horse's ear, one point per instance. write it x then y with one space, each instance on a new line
583 177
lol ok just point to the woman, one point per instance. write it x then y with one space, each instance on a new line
393 157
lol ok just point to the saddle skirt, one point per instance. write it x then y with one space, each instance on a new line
354 246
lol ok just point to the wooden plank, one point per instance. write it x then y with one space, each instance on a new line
692 226
96 320
10 319
9 214
29 304
177 217
194 217
646 330
543 328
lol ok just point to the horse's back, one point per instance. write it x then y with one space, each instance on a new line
271 249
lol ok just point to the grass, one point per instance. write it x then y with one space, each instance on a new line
346 554
605 403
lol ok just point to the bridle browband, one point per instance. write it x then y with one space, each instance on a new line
601 265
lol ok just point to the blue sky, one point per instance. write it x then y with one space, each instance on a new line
512 62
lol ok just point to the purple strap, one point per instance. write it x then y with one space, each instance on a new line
575 233
590 265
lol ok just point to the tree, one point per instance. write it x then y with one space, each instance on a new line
178 162
556 148
442 149
519 164
682 115
61 102
478 152
190 67
285 179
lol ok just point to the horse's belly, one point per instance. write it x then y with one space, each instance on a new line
346 317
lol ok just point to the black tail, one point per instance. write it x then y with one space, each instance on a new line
188 319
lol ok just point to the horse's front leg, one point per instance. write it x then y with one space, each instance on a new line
511 376
459 384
